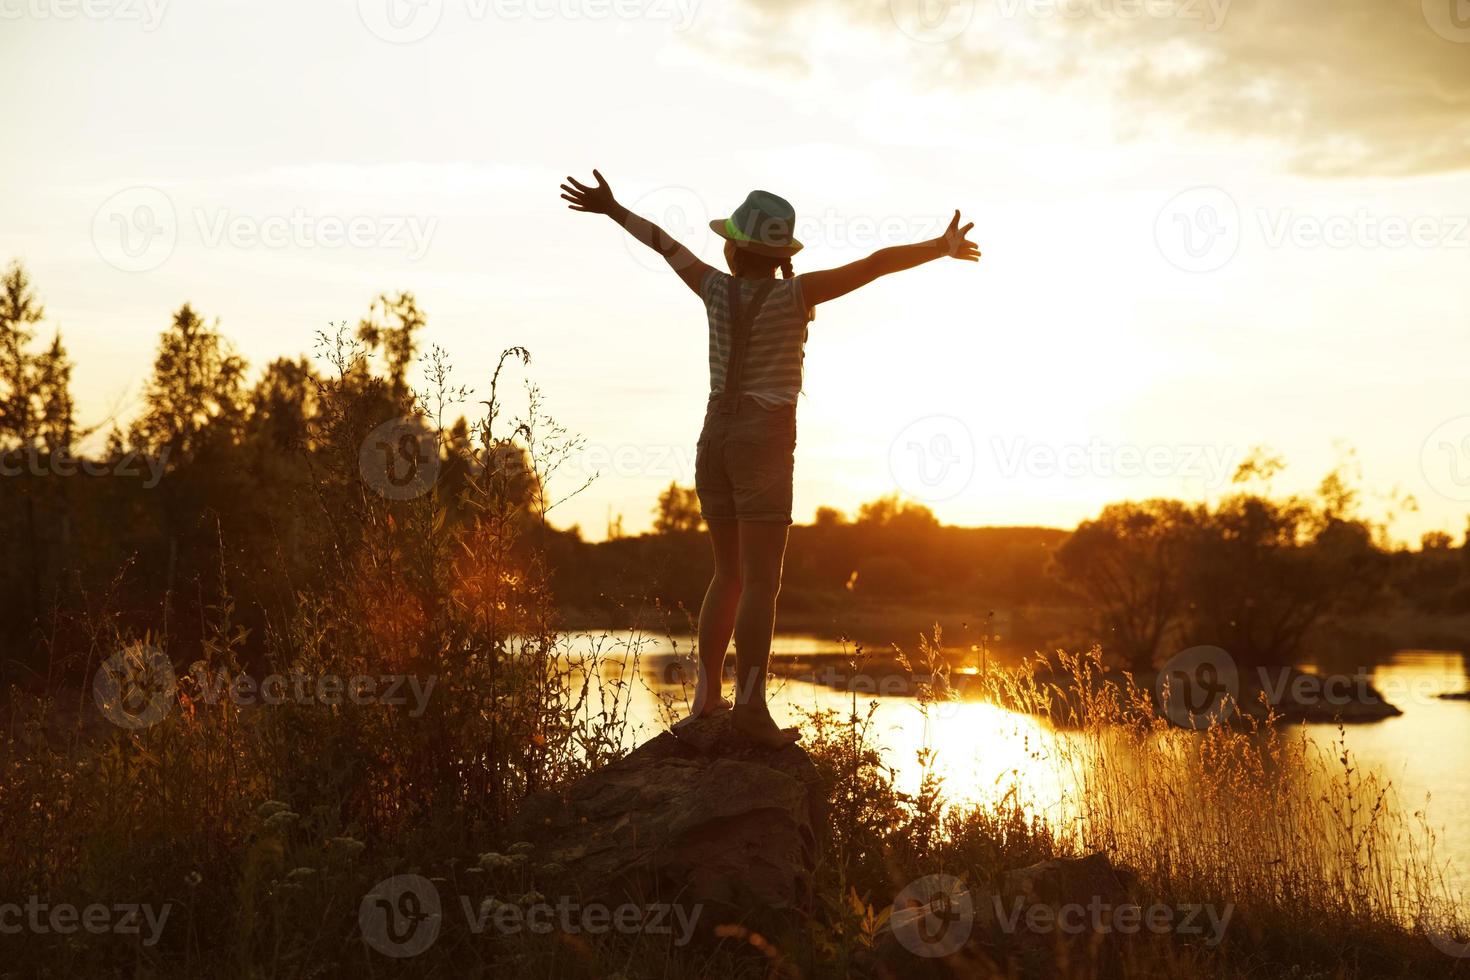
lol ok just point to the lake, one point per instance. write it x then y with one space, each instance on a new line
985 750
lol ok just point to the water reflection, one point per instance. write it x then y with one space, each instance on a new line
986 751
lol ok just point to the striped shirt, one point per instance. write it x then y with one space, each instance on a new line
775 349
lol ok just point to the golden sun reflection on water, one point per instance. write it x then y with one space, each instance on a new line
985 753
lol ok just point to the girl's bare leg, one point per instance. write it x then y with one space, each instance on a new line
762 550
717 618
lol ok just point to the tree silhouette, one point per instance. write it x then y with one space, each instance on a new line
677 510
35 401
389 330
197 381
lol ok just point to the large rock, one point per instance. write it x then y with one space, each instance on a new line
1063 881
702 817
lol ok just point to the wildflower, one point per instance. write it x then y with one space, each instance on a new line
522 847
346 845
280 821
270 808
298 874
489 906
193 878
531 898
551 869
493 861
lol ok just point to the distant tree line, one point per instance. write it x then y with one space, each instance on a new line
214 496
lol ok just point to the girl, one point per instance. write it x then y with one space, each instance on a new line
743 464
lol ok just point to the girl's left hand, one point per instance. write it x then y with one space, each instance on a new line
957 243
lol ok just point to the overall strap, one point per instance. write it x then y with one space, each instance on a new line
740 324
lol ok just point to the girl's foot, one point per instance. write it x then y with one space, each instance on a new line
714 707
759 727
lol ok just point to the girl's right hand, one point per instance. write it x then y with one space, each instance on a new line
598 200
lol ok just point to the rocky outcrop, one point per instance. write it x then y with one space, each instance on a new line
1063 881
699 818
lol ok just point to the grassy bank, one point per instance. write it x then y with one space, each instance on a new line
262 828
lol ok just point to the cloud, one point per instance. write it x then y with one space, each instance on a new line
1340 87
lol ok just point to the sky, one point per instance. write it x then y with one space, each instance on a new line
1207 225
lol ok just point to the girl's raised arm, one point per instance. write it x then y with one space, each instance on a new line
819 287
600 200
